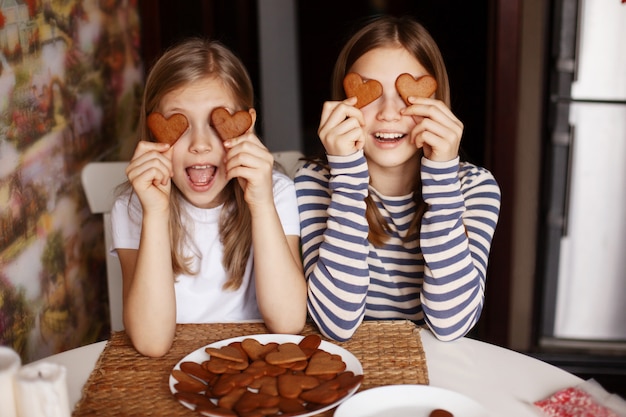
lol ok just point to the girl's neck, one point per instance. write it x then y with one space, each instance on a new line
395 181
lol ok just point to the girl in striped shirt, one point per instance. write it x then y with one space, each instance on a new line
394 225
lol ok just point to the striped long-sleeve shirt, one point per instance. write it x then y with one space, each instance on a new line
436 279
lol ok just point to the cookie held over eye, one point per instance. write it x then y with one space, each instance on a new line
365 92
407 86
167 130
228 125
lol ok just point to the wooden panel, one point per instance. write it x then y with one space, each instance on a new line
505 24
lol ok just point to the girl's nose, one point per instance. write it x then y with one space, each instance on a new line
389 107
201 141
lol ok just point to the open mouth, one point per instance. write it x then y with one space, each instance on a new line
201 174
388 137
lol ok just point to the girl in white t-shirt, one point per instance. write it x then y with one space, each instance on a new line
207 231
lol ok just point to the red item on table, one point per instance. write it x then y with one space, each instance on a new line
573 402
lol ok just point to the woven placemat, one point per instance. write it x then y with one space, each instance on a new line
125 383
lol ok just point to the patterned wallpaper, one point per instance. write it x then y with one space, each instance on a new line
70 83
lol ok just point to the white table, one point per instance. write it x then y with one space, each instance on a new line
503 381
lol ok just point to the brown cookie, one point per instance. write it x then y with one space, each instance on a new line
266 385
194 398
295 366
349 380
256 350
167 130
285 353
326 393
324 363
227 382
250 401
291 406
407 86
230 126
187 382
228 401
310 343
198 371
261 368
217 412
440 413
365 92
230 353
223 366
291 386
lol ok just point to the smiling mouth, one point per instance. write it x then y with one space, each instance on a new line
388 137
201 174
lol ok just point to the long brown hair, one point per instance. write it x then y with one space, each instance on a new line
191 60
385 31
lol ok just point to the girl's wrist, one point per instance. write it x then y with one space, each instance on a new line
261 211
156 216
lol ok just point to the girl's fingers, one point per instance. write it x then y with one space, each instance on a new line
253 169
247 151
151 163
341 127
336 112
438 131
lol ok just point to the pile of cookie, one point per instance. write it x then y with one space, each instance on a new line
252 379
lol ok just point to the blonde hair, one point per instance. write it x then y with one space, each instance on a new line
189 61
385 31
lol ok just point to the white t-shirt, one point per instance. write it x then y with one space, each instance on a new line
200 298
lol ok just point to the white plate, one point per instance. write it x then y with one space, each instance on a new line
408 401
352 363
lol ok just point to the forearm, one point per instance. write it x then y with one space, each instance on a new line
149 298
455 238
335 246
280 284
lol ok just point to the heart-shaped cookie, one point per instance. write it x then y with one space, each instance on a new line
324 363
365 92
167 130
256 350
228 125
230 353
408 86
292 385
250 401
286 353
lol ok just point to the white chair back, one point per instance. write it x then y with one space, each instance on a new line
99 181
289 161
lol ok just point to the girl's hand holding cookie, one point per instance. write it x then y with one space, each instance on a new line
341 127
437 131
248 160
150 172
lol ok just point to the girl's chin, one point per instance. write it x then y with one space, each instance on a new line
205 195
204 201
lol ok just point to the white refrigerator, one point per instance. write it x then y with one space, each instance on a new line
584 257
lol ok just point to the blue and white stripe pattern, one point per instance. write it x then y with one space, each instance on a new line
435 279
